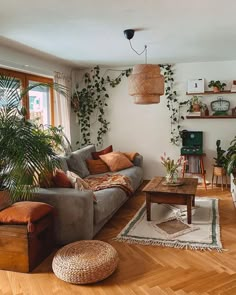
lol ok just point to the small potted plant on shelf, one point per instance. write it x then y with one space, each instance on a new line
217 86
195 104
220 160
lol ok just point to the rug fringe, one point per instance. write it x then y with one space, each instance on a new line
174 244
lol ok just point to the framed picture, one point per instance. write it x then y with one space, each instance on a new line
196 86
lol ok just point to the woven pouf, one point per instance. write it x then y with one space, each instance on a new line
85 262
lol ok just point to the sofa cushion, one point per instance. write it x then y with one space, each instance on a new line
97 166
108 201
77 160
60 179
25 213
107 150
63 163
79 183
116 161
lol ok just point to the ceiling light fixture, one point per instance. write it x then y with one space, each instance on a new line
146 83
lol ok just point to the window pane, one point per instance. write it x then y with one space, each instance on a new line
39 104
10 93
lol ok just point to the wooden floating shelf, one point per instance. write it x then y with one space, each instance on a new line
211 117
211 92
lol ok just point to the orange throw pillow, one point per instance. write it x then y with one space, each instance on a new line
25 213
97 166
107 150
60 179
116 161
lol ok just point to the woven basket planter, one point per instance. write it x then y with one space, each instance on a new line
85 262
219 171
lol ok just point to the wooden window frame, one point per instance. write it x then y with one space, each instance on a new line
25 78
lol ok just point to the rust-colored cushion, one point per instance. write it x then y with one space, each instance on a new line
107 150
46 181
60 179
25 213
116 161
97 166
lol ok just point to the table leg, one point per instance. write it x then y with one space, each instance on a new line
189 209
148 206
193 201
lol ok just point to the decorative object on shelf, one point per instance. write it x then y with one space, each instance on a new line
216 85
89 102
171 168
205 110
196 85
146 83
233 112
233 87
220 107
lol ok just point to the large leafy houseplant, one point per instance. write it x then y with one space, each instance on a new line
26 150
231 157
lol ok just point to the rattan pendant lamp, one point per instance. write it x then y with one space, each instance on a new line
146 83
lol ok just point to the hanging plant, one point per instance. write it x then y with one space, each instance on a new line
173 103
90 101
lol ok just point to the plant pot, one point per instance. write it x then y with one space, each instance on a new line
216 89
219 171
196 107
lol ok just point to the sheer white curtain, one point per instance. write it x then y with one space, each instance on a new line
62 104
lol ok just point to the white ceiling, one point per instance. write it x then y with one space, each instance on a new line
90 32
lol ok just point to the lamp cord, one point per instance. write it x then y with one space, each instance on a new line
144 50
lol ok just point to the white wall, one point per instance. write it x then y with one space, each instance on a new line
17 60
146 128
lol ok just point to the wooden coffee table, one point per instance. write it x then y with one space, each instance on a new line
157 192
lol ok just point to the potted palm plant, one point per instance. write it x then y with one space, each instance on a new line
26 150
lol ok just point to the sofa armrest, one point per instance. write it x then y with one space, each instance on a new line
74 212
138 161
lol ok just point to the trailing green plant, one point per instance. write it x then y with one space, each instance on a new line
173 103
26 151
90 101
217 84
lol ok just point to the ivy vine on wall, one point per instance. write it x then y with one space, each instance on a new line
173 103
89 102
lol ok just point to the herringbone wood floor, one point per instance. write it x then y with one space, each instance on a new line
146 270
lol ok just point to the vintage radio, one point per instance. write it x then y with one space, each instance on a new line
192 142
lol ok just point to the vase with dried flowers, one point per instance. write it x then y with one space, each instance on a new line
171 168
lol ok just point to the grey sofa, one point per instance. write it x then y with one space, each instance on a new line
77 216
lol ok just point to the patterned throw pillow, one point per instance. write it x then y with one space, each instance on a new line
97 166
107 150
116 161
79 183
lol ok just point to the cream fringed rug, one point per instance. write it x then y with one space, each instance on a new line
169 227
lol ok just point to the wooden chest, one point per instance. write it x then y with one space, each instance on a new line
22 251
